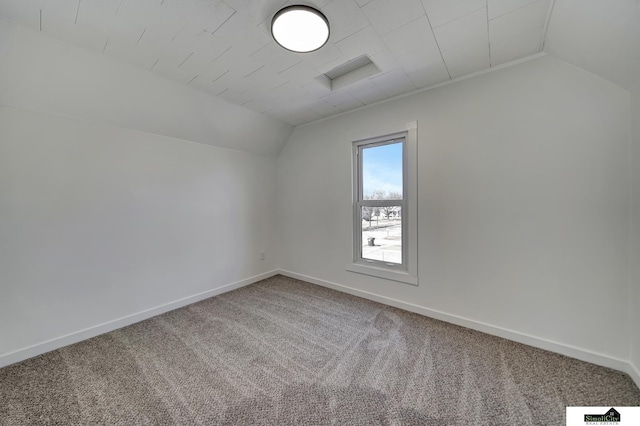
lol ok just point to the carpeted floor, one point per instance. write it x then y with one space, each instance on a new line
285 352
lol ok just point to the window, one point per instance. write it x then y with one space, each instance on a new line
380 202
384 231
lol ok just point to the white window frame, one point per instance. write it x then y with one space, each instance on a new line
407 272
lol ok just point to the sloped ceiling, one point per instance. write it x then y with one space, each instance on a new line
602 37
47 76
224 47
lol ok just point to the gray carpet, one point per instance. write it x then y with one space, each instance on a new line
285 352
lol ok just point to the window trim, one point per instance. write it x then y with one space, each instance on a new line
407 272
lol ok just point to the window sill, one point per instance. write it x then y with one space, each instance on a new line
400 276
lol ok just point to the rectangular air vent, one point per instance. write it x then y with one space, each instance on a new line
354 70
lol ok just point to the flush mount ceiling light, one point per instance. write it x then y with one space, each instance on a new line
300 29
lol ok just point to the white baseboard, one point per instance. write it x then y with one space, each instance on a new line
87 333
538 342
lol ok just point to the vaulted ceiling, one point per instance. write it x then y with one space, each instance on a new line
224 47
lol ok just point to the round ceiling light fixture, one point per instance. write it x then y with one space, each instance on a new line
300 29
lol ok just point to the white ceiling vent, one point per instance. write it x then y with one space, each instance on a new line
354 70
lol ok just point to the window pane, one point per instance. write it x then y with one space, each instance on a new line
382 172
382 234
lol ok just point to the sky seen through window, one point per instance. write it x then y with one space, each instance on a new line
382 169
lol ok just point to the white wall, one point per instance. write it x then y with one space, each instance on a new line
634 263
109 213
523 205
43 74
99 222
602 37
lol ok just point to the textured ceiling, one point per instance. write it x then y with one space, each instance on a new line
223 47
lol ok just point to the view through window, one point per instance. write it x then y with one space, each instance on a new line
381 201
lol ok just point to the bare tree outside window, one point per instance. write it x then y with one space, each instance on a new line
386 211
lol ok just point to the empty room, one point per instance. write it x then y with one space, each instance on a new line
340 212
